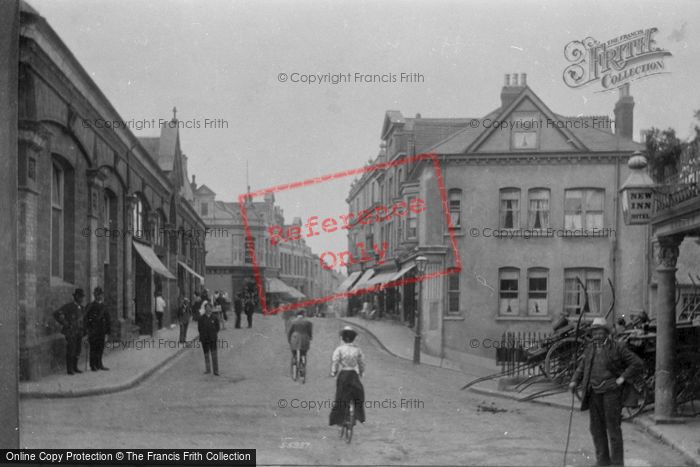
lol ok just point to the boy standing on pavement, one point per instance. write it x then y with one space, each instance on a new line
160 308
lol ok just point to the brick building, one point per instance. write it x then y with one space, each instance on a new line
532 197
291 270
97 206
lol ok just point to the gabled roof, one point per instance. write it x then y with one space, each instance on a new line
392 117
526 93
472 136
204 190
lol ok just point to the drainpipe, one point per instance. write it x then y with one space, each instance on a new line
616 221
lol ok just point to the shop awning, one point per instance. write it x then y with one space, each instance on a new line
295 293
278 286
275 285
381 278
363 282
403 271
151 259
190 270
347 283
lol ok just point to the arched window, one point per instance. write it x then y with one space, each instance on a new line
138 218
57 219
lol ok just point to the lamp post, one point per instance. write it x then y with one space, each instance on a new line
421 263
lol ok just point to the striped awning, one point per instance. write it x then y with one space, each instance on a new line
363 282
403 271
347 283
381 278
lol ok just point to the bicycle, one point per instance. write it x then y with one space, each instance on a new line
347 428
298 366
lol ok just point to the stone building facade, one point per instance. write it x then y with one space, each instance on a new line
96 207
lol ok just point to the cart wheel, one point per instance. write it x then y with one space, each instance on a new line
558 364
631 411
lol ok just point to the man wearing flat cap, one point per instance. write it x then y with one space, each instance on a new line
70 317
97 326
605 366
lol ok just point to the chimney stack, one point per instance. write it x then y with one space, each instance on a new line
193 184
624 116
511 89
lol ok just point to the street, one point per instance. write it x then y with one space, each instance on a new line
255 404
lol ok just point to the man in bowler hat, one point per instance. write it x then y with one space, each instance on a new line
70 317
97 326
605 366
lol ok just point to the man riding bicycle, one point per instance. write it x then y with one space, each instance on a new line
349 364
299 335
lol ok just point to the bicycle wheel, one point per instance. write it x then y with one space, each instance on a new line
350 421
302 368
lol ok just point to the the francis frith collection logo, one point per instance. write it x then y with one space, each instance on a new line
618 61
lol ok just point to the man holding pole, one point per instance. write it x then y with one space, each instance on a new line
605 366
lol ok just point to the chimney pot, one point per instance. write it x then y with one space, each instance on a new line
515 79
507 80
523 79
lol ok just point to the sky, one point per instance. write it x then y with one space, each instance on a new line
221 59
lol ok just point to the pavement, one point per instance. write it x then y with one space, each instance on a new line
133 362
129 362
397 339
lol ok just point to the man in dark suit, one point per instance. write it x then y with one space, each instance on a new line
299 335
70 317
97 326
238 308
208 326
606 365
249 307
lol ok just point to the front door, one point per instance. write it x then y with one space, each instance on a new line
142 300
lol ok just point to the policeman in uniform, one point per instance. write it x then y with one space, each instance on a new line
70 317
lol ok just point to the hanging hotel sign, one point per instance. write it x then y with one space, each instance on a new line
615 62
637 205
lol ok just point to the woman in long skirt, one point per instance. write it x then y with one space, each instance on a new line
348 363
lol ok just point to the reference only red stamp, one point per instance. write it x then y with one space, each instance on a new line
362 251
